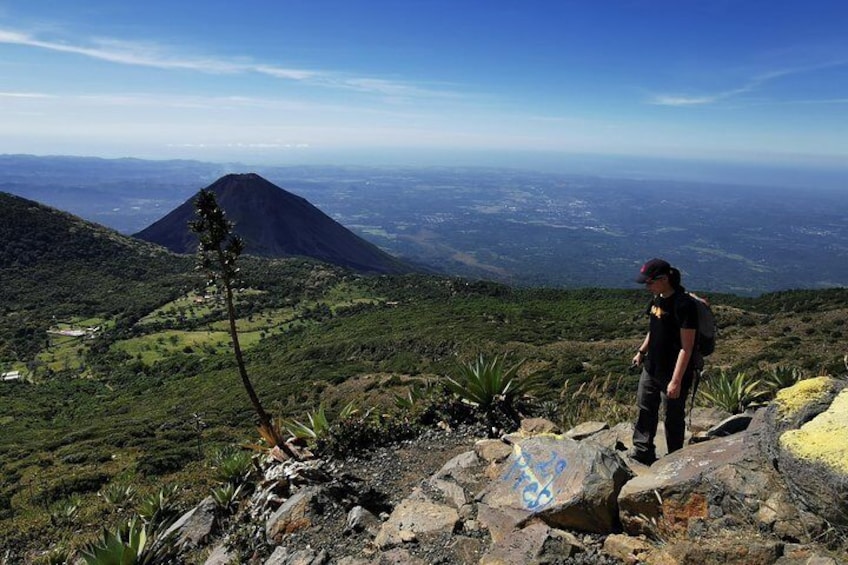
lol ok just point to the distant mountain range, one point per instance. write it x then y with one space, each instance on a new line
274 223
520 227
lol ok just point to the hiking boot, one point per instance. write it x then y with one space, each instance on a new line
642 457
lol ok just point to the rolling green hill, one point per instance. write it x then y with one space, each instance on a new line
56 267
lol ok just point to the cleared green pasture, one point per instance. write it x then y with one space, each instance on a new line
267 320
157 346
64 352
194 306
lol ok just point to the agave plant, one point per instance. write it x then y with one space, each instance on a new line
485 382
492 387
130 544
319 425
416 393
64 513
226 496
232 465
117 495
159 507
781 377
731 393
56 556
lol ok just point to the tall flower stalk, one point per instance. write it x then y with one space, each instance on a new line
218 253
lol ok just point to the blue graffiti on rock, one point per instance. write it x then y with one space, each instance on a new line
532 479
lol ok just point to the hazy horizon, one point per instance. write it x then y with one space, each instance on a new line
826 175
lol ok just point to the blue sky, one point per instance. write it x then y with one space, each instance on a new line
289 81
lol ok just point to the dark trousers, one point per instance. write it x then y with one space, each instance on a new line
650 395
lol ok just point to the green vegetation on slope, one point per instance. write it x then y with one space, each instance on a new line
156 391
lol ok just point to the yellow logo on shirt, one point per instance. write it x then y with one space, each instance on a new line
657 311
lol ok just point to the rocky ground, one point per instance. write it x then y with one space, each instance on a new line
448 497
384 477
379 480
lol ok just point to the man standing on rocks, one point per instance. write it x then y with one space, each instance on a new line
667 358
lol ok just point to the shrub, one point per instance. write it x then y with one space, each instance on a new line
356 434
80 483
167 461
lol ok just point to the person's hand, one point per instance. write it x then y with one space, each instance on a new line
637 359
673 389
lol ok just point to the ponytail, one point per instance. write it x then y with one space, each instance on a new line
674 279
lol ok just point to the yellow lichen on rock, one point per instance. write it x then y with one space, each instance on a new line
792 399
824 438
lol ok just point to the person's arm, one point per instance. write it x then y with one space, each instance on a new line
642 351
687 341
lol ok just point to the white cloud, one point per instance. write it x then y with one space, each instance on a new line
24 95
667 100
155 56
753 84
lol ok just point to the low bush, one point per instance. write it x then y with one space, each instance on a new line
155 462
83 482
357 434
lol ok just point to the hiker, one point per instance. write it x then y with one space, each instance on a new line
667 359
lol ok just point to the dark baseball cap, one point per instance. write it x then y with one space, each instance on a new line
653 269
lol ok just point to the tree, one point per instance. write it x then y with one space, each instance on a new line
218 253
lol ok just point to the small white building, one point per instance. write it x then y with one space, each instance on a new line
11 376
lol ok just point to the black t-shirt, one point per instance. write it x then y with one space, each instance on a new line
668 316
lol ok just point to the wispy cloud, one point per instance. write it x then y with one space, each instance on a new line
155 56
149 55
671 100
24 95
752 85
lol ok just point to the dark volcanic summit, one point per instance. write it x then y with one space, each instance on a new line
274 223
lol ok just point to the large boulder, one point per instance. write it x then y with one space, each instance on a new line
698 485
564 483
810 445
300 511
795 406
